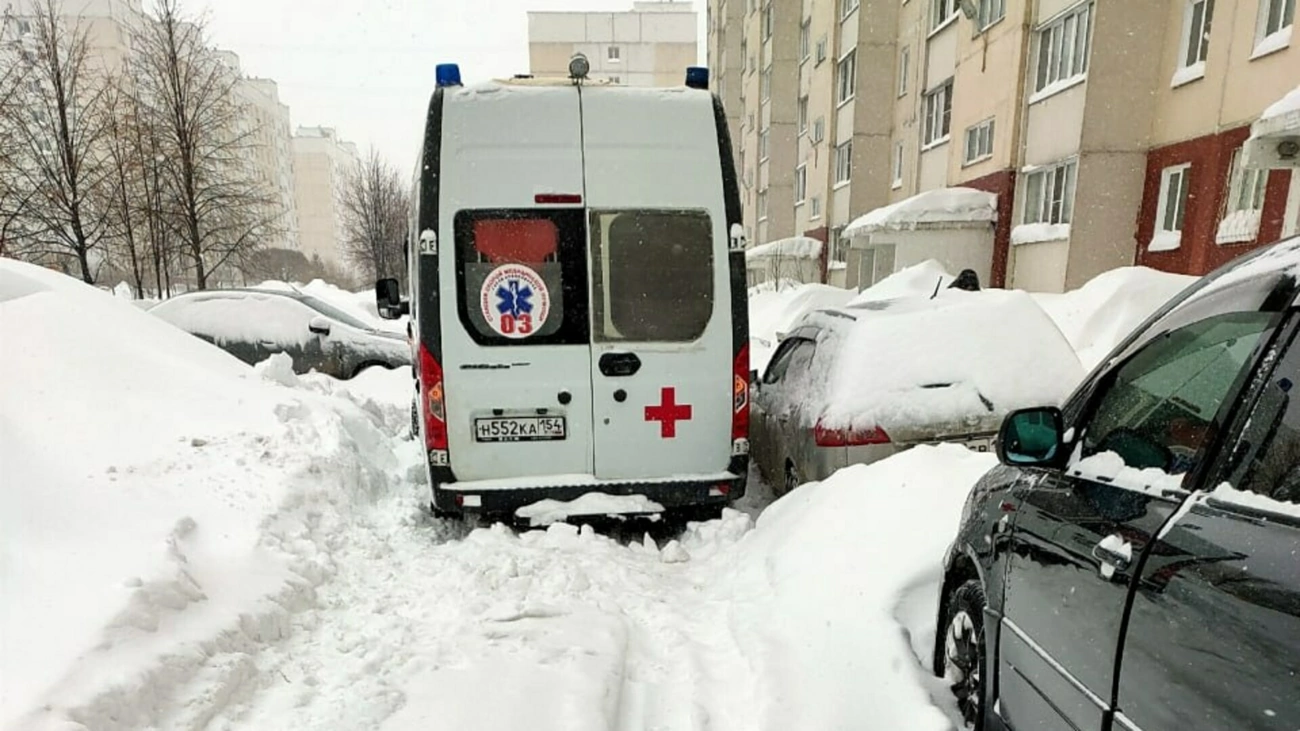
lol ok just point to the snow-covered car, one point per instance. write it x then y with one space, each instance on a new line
253 325
856 384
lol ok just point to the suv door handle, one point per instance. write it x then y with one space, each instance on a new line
619 364
1110 556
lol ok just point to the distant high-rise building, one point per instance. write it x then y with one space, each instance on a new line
271 147
649 45
321 161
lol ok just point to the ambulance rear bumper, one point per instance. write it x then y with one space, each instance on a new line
504 497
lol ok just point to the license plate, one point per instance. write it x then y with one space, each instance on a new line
519 429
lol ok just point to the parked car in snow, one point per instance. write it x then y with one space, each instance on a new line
858 383
1131 564
254 324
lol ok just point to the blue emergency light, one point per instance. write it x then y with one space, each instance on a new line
447 74
697 77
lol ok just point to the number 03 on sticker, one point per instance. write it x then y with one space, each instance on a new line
515 301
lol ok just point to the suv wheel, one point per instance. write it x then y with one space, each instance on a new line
964 651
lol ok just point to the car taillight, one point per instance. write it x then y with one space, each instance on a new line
740 395
435 408
850 437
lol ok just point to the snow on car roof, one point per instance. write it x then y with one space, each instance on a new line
911 361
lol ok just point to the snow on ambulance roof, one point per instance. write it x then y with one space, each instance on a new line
915 361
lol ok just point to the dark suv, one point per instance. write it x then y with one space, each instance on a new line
1134 562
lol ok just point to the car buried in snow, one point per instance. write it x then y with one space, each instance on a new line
254 324
1132 562
855 384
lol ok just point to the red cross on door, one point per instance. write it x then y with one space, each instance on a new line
668 413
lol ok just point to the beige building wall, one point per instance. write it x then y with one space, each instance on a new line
726 67
321 161
271 150
1234 85
650 45
816 140
989 85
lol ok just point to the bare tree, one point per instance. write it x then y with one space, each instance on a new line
373 204
56 122
13 79
223 211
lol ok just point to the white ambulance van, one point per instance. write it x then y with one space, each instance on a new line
577 296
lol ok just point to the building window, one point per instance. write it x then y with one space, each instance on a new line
1062 48
897 181
800 183
1049 194
844 162
744 51
821 49
765 84
803 114
904 69
767 21
762 145
990 12
846 7
805 40
815 208
619 80
1246 188
613 54
1196 33
942 11
1171 208
1275 20
979 142
819 130
847 73
24 27
938 114
762 205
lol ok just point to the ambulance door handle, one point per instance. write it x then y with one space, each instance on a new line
619 364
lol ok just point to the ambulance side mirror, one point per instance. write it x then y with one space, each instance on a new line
388 299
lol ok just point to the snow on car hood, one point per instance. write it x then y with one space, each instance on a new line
958 357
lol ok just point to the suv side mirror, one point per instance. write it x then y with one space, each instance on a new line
319 325
1031 437
388 299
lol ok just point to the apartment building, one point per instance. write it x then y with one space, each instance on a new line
1221 65
1034 141
649 45
321 161
271 150
727 62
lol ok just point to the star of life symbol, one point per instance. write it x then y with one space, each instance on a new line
515 301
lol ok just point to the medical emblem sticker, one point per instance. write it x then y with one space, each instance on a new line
515 301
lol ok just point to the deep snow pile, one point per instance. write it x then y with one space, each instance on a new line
1101 313
775 306
164 507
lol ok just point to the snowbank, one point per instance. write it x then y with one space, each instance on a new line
1286 105
953 206
842 579
163 512
1101 313
918 280
774 307
940 361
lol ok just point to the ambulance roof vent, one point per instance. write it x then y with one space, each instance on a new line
697 77
447 74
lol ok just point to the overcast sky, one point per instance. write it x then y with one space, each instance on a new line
366 67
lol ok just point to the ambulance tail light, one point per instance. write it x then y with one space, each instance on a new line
434 403
849 437
740 395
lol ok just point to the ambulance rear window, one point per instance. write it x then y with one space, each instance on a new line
653 275
522 276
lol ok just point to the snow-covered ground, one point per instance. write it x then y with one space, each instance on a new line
190 543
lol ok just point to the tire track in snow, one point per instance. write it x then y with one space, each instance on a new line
424 626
